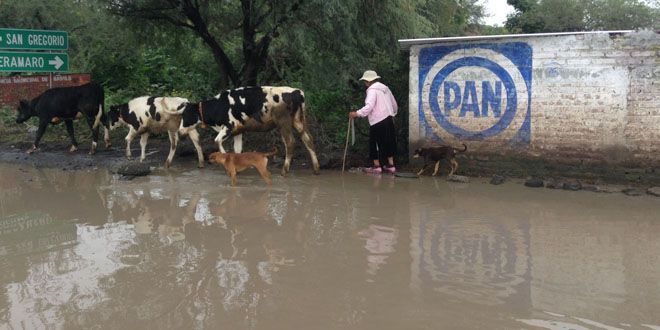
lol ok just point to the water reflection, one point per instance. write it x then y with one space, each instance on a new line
380 242
184 250
472 260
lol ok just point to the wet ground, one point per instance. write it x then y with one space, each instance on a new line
182 249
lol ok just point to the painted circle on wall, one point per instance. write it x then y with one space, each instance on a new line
473 73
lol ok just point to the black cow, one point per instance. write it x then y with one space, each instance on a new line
67 104
233 112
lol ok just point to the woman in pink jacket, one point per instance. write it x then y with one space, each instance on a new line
380 108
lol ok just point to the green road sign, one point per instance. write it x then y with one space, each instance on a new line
33 62
33 39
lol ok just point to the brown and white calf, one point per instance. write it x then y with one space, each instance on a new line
149 114
261 109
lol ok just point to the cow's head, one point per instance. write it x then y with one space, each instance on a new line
114 115
23 112
189 117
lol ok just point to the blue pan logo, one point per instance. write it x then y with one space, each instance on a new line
476 92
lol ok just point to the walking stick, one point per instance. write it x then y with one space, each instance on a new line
348 134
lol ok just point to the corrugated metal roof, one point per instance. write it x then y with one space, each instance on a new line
405 44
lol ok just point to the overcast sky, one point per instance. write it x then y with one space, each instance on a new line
496 11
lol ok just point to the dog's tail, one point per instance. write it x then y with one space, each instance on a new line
272 153
459 150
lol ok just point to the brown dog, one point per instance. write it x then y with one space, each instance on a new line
435 154
235 163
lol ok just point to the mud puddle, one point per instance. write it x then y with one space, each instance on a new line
182 249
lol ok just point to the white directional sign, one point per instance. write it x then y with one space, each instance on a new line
33 39
33 62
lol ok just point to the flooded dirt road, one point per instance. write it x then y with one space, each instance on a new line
182 249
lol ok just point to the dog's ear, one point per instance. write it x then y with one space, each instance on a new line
212 158
220 158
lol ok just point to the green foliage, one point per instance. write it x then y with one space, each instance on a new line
7 117
323 48
533 16
622 14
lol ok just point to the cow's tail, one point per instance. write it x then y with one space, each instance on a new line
459 150
300 109
97 120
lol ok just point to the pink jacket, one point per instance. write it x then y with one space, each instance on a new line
379 104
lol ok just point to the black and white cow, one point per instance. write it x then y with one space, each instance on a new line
67 104
149 114
233 112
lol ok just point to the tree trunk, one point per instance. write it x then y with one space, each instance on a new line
227 70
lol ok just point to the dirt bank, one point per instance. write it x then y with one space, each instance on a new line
54 153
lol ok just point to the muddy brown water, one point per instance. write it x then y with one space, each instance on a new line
181 249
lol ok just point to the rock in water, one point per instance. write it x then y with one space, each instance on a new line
497 179
534 183
591 187
573 186
655 191
553 184
458 178
134 169
632 192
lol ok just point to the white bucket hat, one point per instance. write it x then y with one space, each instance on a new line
370 75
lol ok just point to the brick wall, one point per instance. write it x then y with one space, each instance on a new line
576 97
13 89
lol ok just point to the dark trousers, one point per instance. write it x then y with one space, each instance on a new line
382 139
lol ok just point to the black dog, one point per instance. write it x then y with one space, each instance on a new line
435 154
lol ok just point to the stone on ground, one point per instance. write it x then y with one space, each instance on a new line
497 179
655 191
458 178
534 182
134 169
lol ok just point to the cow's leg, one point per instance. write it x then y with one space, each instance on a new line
174 141
143 146
238 143
289 143
132 133
194 137
437 168
91 121
222 135
106 128
106 137
308 141
69 129
422 170
454 166
43 123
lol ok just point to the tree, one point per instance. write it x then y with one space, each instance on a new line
450 18
533 16
622 15
259 21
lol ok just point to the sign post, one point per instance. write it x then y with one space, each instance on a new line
23 51
19 40
33 62
33 39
